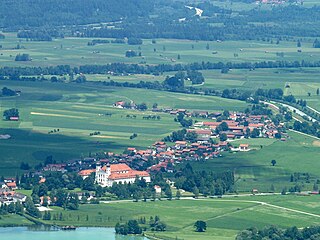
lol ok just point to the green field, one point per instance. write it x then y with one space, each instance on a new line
77 111
13 220
254 171
74 51
224 217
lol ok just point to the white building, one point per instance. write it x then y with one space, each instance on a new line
116 173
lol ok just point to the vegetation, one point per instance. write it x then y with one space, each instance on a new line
63 68
273 232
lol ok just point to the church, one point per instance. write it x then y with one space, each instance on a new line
116 173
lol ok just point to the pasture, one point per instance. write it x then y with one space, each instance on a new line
253 169
78 110
224 217
75 51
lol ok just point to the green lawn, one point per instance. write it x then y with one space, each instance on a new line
224 217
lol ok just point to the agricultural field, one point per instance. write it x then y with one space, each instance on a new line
225 217
265 78
254 170
75 51
78 110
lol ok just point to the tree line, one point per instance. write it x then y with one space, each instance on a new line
274 232
15 72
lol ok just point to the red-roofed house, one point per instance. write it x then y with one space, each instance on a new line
244 147
116 173
86 173
12 185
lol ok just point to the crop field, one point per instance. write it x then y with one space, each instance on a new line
224 217
254 170
77 111
75 51
263 78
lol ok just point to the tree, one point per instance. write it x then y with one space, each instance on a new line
168 193
273 162
223 137
134 41
73 201
31 208
131 53
22 57
12 112
8 92
200 226
178 195
255 133
81 79
195 192
299 44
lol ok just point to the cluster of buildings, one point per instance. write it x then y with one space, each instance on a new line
239 126
8 194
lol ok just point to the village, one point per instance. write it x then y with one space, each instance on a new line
212 134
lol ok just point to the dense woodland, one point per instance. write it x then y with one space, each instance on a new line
156 19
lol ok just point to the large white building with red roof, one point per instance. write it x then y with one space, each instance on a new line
116 173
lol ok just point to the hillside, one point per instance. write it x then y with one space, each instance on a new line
33 13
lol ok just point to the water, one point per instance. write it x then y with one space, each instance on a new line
32 233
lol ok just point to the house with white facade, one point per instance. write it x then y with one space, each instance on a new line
116 173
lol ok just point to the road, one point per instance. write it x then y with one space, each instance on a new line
224 198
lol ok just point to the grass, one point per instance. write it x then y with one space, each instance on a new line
224 217
254 170
77 111
74 51
13 220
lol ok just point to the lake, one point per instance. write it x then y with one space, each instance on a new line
23 233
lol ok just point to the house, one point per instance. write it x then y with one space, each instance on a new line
86 173
119 104
116 173
14 118
157 189
55 168
180 144
244 147
9 196
12 185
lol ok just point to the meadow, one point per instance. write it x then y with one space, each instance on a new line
75 51
224 217
78 110
253 170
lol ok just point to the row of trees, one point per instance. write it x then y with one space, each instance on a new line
150 69
274 232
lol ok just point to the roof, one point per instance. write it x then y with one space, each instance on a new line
181 142
130 174
203 131
11 184
244 145
86 172
121 167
